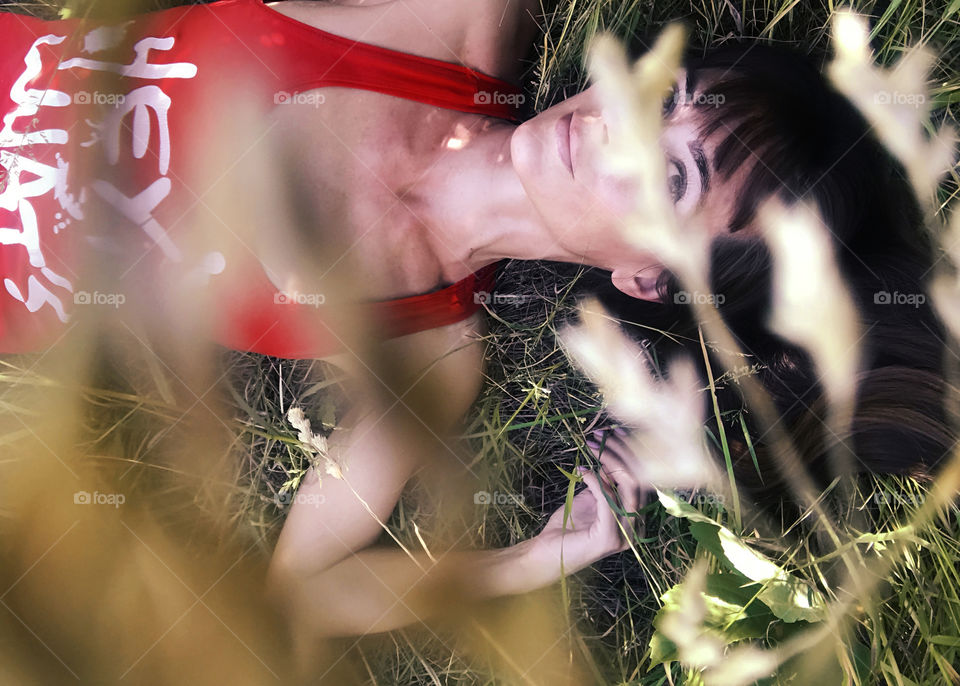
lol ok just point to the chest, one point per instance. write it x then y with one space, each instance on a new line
348 162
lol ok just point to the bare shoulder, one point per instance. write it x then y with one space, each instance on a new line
488 35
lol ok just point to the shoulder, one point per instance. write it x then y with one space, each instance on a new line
487 35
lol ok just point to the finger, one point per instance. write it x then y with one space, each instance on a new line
617 529
619 461
604 443
606 518
629 492
613 468
622 446
609 441
623 457
594 446
597 440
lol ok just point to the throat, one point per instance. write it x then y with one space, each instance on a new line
469 201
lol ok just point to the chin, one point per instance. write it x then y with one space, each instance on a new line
534 158
525 153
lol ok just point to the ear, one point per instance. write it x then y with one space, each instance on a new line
642 286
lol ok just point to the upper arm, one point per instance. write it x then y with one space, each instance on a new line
332 518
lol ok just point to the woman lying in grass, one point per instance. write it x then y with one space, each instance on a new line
462 188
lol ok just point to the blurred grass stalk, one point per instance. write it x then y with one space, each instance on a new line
818 315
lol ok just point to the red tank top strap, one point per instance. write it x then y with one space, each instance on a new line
318 58
293 331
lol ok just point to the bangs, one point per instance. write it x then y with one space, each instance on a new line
773 119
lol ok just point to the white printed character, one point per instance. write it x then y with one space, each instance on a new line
140 68
139 209
37 296
28 102
29 237
16 193
139 101
15 198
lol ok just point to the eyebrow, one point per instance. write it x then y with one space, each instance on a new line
700 159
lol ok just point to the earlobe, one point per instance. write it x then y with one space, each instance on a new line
640 285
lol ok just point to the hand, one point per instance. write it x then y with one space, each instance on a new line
593 530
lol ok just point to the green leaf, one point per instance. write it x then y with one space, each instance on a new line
662 650
732 613
861 660
789 598
952 641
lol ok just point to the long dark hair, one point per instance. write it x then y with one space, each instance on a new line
793 136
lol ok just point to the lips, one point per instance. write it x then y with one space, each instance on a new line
563 141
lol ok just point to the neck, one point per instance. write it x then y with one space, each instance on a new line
473 206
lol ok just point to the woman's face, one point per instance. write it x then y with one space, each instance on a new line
556 155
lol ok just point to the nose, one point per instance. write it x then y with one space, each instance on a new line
595 122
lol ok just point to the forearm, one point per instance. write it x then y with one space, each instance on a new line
380 589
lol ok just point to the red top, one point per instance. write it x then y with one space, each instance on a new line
150 130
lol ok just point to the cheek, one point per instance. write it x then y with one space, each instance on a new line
615 196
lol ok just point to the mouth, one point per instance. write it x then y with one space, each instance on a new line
563 141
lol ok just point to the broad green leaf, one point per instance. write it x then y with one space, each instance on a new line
732 612
662 650
789 598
